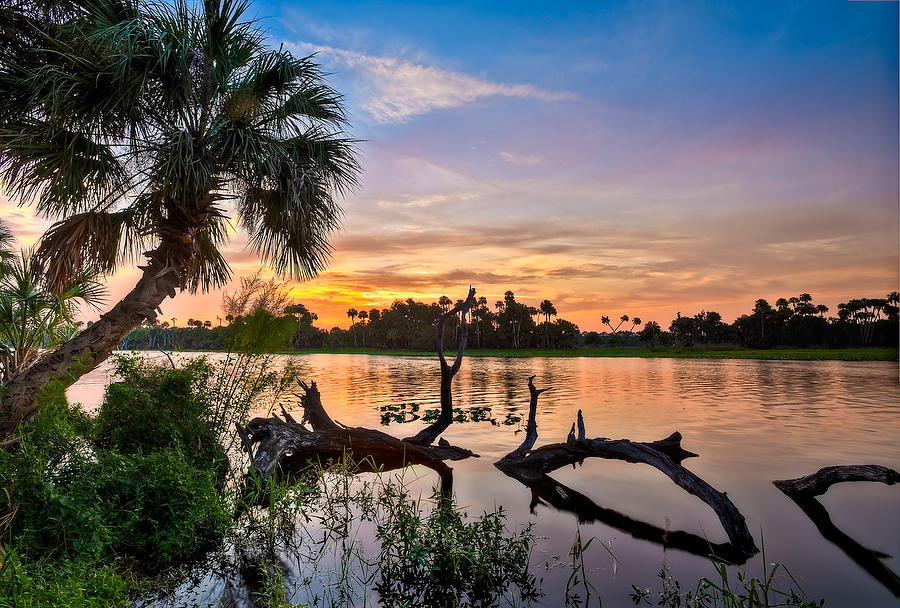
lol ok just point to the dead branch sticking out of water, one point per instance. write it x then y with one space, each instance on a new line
803 491
532 466
427 435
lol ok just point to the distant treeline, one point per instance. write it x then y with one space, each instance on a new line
409 324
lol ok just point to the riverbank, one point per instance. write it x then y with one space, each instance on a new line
666 352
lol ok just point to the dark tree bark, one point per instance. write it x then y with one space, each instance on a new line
819 482
803 492
427 435
286 448
531 467
547 490
166 272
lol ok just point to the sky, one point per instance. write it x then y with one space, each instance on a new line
640 158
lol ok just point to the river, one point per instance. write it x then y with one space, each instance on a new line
750 421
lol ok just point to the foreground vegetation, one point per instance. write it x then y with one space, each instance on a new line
145 500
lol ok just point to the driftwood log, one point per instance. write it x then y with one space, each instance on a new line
531 467
284 447
803 492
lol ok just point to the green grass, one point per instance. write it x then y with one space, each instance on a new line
666 352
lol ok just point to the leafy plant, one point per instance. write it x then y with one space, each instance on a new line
440 559
750 592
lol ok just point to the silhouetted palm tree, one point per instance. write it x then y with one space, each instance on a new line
548 311
136 125
363 315
353 313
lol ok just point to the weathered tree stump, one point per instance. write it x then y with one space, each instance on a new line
803 491
448 371
531 467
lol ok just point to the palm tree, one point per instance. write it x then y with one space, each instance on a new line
6 251
444 302
634 323
363 315
33 318
548 311
482 311
353 313
136 126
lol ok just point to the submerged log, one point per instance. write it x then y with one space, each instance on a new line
531 467
285 448
818 483
803 491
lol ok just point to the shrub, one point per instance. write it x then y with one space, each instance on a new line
141 484
155 407
440 559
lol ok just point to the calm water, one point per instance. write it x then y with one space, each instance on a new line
750 421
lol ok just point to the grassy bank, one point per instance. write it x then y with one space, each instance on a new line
669 352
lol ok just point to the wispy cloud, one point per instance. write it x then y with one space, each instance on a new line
394 90
514 158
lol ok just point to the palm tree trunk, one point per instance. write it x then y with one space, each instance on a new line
162 277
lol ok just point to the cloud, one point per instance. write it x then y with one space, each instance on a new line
520 159
425 200
394 90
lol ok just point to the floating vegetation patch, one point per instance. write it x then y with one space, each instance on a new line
410 412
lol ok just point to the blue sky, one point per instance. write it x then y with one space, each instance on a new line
637 158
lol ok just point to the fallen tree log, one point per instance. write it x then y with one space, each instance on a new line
803 491
818 483
284 448
531 466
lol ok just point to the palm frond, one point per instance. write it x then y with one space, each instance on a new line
290 230
326 157
87 242
62 170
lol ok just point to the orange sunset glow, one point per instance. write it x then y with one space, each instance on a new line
588 188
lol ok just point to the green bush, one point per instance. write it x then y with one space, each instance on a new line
140 485
155 407
150 510
442 560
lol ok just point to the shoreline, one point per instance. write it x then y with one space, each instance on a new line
659 352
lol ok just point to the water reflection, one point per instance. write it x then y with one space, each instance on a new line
870 560
547 490
753 421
